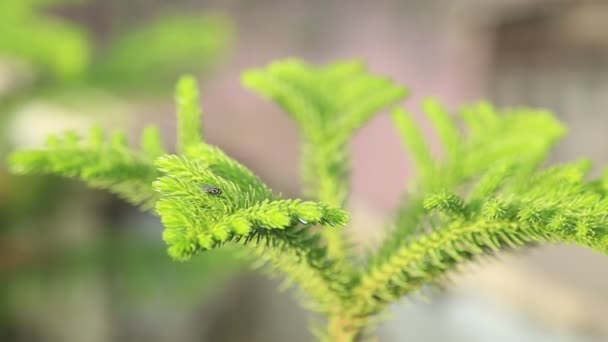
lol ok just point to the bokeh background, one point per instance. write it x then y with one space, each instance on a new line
80 265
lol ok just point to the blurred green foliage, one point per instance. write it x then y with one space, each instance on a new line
63 54
51 46
169 49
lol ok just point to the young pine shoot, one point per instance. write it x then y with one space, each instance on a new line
487 192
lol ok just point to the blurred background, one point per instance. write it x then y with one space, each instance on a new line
80 265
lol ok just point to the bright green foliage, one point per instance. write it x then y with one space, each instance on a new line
205 198
189 117
484 193
105 164
244 211
329 105
515 135
198 219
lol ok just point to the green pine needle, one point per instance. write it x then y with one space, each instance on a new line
101 163
329 104
484 195
189 114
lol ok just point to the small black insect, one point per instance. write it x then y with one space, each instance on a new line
212 190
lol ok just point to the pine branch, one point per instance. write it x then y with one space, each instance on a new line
189 114
413 139
205 199
555 206
104 164
516 140
505 203
329 104
485 194
202 210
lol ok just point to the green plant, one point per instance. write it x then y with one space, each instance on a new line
62 58
486 193
59 49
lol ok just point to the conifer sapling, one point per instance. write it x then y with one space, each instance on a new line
486 193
